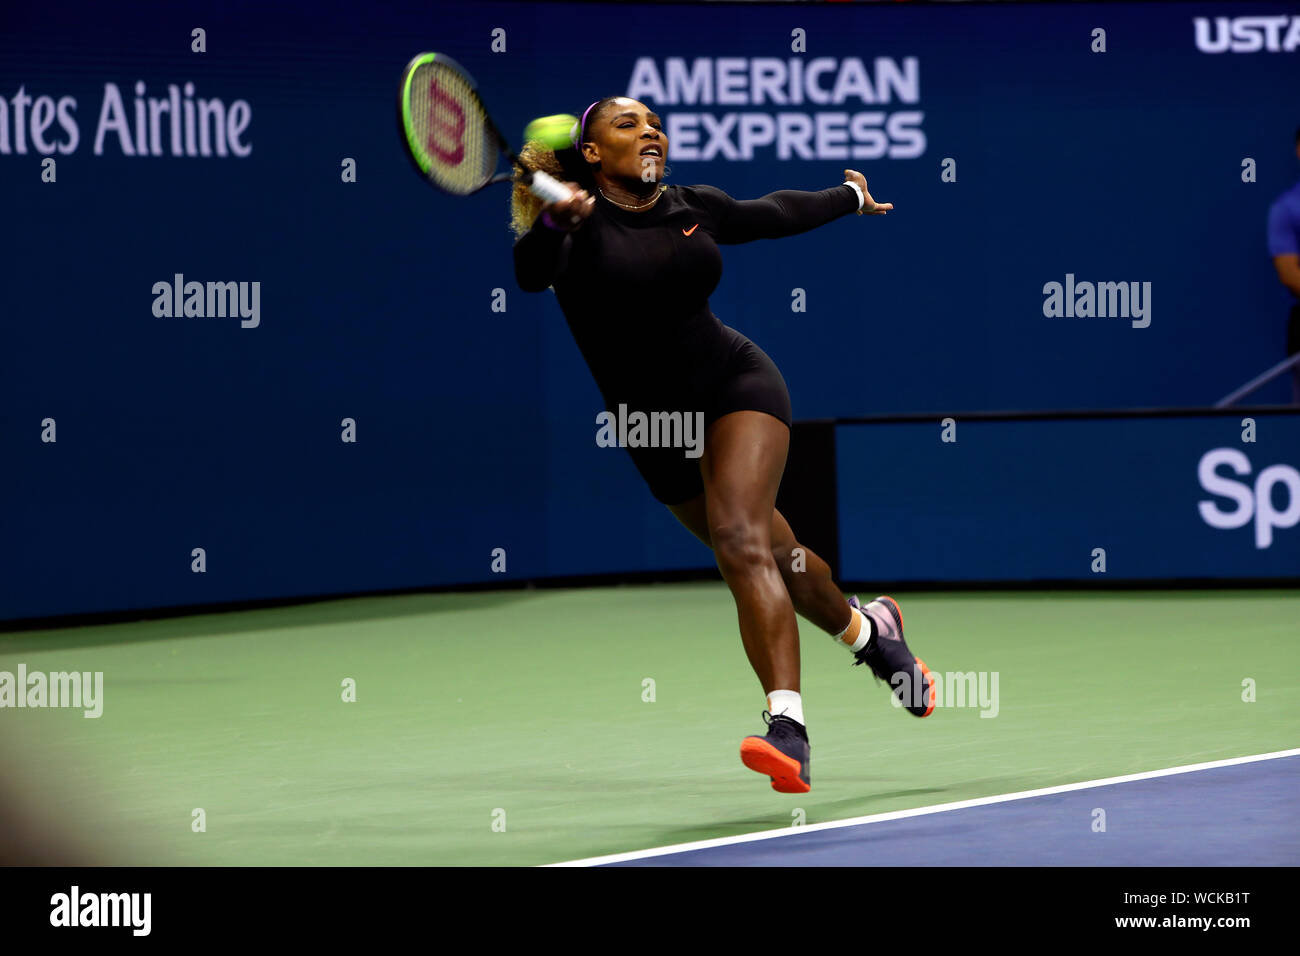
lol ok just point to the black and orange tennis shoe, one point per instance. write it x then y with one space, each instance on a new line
784 754
890 659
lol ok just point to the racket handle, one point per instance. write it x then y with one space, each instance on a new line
548 187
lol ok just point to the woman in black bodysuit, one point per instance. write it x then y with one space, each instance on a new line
633 262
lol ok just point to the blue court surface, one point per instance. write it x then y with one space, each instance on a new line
1242 814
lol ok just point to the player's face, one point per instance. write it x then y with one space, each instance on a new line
629 141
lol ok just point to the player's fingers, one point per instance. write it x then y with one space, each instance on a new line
581 207
572 212
560 205
565 206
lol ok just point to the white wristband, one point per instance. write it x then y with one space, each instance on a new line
857 189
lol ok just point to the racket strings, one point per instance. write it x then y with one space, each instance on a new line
449 131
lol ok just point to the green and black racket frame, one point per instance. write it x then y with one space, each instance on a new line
449 135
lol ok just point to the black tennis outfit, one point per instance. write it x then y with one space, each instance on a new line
635 287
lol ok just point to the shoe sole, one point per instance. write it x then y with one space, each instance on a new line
925 672
760 756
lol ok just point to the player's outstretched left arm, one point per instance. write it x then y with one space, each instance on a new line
870 207
787 212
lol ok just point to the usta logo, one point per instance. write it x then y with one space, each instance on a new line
1275 34
1256 502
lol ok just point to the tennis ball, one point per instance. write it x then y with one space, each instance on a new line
551 131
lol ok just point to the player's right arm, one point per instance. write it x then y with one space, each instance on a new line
1284 245
1288 271
542 253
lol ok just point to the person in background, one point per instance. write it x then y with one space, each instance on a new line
1284 247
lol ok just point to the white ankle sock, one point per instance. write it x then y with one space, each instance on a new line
864 632
787 702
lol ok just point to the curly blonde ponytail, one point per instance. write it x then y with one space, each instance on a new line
524 206
566 165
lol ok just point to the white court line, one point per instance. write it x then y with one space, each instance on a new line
919 811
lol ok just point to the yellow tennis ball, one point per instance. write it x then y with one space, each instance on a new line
553 132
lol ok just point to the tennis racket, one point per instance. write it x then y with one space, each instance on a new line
449 135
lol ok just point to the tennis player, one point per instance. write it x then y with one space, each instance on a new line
632 261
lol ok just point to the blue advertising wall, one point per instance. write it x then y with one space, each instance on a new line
1035 500
475 427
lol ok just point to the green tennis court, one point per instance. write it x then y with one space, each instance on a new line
502 728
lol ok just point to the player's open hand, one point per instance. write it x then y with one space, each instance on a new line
869 207
569 214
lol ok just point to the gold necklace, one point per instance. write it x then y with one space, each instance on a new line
633 208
